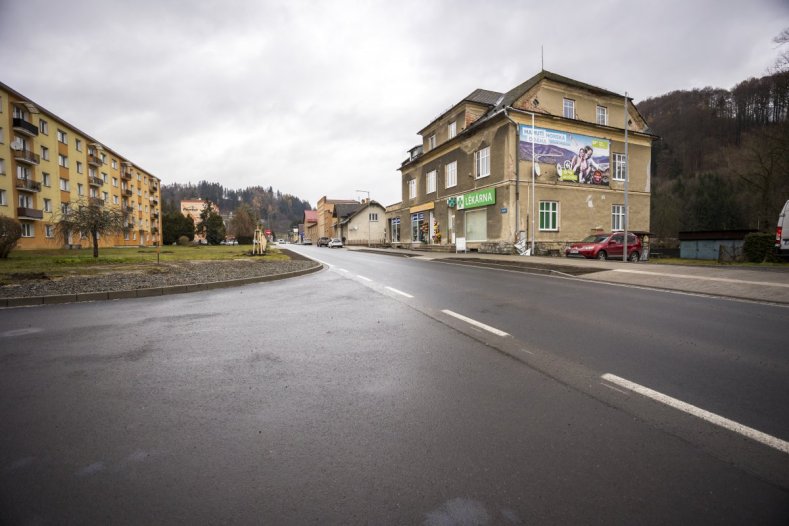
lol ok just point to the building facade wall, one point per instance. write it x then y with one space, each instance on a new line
31 141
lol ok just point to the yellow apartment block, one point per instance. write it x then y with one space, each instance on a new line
48 165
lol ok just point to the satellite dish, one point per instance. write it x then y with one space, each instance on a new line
536 169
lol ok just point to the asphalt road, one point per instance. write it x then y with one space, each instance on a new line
332 399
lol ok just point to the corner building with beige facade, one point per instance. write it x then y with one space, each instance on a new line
470 181
48 165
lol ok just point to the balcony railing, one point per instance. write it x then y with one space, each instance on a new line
94 160
95 181
155 215
154 201
127 193
26 156
22 126
95 201
28 185
29 213
126 175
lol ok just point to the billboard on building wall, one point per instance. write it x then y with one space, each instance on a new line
573 157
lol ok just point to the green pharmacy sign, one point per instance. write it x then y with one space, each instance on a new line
477 199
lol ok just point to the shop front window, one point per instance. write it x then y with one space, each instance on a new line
395 229
477 225
419 228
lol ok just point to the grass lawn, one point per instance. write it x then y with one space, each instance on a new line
711 263
62 262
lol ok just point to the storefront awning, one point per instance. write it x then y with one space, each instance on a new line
422 208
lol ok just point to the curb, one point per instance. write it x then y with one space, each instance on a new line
147 293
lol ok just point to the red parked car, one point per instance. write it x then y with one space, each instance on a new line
604 246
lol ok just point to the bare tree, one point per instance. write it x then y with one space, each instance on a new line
91 217
10 232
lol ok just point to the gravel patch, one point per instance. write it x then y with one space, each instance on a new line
154 276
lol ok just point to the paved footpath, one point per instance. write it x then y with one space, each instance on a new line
769 284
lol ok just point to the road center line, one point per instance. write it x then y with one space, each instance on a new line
475 323
399 292
712 418
362 277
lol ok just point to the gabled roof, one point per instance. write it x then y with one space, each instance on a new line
483 96
518 91
362 207
344 210
310 216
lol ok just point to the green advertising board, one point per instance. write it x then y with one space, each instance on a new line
477 199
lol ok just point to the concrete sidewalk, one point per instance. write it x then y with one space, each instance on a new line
769 284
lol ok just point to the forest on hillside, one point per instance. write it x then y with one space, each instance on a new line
278 211
722 160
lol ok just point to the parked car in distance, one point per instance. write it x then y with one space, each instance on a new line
323 242
604 246
335 243
306 241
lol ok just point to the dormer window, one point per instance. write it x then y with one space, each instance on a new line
431 142
568 109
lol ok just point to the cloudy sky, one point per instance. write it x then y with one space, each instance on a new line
325 97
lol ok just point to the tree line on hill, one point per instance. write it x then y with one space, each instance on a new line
249 207
722 160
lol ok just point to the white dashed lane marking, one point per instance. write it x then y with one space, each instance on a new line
475 323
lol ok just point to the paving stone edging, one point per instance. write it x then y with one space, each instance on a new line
146 293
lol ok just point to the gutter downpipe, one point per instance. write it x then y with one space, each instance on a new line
517 176
627 177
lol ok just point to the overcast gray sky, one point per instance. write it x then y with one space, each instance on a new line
325 97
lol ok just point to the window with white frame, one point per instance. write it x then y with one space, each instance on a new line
430 182
25 201
79 167
373 217
64 185
3 198
619 167
23 172
46 179
27 230
482 162
451 174
43 126
44 153
417 231
62 137
549 216
78 144
80 189
62 160
47 205
431 142
1 136
617 217
412 188
49 231
602 115
104 177
2 166
395 229
452 130
115 199
64 207
114 164
568 108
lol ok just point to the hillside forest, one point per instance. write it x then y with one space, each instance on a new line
722 160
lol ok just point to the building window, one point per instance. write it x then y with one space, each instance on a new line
568 108
80 189
79 167
619 167
62 160
2 166
45 153
47 205
451 174
373 218
602 115
482 162
64 208
104 177
27 230
549 215
477 225
418 232
49 231
78 144
62 137
114 164
617 217
430 182
43 126
412 188
115 199
3 198
1 136
64 185
431 142
47 179
395 229
23 172
452 130
115 182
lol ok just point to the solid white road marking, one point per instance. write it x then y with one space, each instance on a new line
718 420
703 278
475 323
362 277
399 292
341 269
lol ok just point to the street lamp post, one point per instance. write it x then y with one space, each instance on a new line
368 214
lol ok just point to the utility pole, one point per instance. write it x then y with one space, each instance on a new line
368 214
627 176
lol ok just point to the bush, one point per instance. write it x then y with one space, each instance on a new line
758 247
10 232
244 240
184 241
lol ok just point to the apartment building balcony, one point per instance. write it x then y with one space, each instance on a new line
26 156
20 125
94 160
155 216
126 176
127 193
130 225
28 185
29 213
95 201
154 201
95 181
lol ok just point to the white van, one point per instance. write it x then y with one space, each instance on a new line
782 233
